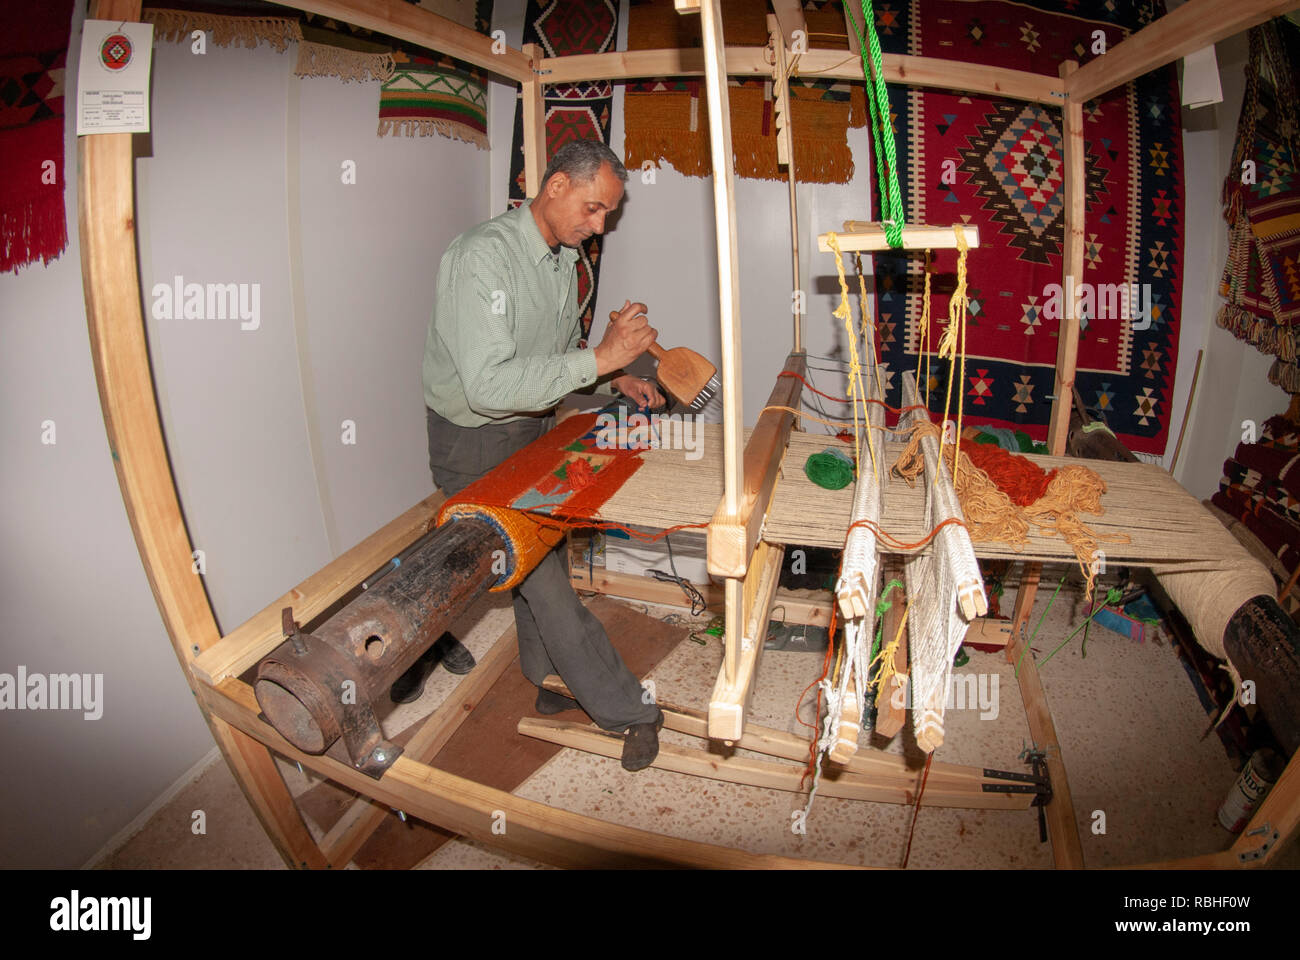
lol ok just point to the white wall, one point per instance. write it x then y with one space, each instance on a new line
73 594
1233 383
239 183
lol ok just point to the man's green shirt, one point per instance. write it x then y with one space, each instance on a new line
503 340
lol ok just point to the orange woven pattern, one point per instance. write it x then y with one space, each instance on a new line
527 540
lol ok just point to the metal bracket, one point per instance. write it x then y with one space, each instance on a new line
1270 834
1039 783
292 632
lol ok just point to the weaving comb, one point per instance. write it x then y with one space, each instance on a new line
686 375
691 379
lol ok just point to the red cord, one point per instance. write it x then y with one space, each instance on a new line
791 373
917 809
893 541
826 666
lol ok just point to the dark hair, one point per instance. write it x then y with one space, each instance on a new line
581 160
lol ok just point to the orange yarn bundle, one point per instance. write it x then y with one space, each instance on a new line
1020 479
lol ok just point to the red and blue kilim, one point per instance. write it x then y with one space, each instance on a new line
998 164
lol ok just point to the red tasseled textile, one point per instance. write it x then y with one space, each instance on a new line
1020 479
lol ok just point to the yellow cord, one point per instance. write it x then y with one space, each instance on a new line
923 344
856 394
952 347
886 655
868 328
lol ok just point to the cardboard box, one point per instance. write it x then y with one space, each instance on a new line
624 554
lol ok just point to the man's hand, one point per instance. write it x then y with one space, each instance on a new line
627 337
642 392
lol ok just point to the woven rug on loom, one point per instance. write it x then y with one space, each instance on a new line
568 472
574 111
667 119
997 164
422 92
1261 280
33 58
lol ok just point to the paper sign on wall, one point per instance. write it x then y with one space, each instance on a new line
113 79
1201 79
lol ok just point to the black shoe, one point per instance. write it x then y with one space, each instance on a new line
455 655
408 687
448 651
642 744
549 702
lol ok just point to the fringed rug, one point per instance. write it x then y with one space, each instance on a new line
1261 280
422 92
997 164
667 119
574 111
33 57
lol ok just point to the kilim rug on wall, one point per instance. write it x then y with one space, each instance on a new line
668 120
1261 280
422 93
574 111
33 56
998 164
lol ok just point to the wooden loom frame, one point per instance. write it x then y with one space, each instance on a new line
212 662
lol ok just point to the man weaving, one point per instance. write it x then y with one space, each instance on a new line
501 353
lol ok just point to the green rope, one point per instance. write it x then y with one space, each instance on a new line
883 604
891 200
1040 623
1113 596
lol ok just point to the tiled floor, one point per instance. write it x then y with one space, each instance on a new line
1128 721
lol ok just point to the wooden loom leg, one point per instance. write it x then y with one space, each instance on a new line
1067 347
732 690
1024 607
1067 851
891 708
254 769
111 279
534 113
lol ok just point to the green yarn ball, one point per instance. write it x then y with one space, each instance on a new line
830 469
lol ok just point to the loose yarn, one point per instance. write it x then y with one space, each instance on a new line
992 515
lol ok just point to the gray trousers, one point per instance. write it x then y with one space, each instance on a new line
557 634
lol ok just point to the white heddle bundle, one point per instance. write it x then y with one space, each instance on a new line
846 693
856 591
945 588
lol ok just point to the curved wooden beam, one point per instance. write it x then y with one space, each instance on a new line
120 353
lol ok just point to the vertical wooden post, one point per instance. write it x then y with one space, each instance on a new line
1067 346
785 152
534 124
724 211
1062 828
119 351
